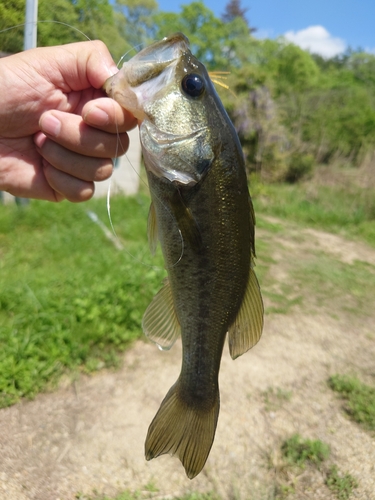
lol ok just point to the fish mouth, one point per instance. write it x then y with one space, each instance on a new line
151 68
181 159
163 51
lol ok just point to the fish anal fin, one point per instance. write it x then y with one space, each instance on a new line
184 431
152 229
160 323
247 328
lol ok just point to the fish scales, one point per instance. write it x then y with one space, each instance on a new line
203 216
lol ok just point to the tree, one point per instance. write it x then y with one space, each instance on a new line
58 23
137 23
97 20
233 10
62 21
212 41
12 13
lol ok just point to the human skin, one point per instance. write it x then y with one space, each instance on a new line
58 131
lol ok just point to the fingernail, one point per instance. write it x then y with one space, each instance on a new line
113 70
39 139
96 116
50 125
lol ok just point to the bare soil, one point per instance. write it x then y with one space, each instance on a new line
88 437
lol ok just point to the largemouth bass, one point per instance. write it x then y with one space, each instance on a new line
202 214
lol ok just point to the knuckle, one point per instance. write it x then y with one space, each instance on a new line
104 171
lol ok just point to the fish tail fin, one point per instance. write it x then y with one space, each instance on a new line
183 430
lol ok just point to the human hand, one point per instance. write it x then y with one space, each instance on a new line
58 132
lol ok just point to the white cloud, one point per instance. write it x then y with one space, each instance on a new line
318 40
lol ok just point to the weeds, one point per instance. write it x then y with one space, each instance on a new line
335 285
334 208
340 484
68 298
127 495
360 399
299 452
274 398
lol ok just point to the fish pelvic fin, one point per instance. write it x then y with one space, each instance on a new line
160 323
182 430
247 328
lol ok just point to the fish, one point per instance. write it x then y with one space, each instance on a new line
202 214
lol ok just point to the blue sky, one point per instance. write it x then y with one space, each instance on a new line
323 26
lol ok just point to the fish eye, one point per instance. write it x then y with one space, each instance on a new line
193 85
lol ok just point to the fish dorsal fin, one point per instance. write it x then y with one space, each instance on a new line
247 328
152 229
160 323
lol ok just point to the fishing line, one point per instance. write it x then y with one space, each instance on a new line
108 198
135 48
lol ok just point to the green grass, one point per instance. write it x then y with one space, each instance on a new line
342 485
127 495
68 298
275 398
359 397
335 285
335 209
299 452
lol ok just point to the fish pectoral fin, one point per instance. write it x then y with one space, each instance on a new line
190 231
160 323
152 229
247 328
186 223
182 430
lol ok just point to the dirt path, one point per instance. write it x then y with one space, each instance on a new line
89 436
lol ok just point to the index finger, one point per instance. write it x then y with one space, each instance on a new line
107 115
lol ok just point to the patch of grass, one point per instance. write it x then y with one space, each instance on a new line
198 496
340 484
281 302
360 399
271 227
298 451
127 495
296 461
283 491
151 487
335 209
274 398
335 285
282 296
69 300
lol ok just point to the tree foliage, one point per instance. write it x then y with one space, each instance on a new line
12 17
136 21
212 40
292 109
62 21
232 10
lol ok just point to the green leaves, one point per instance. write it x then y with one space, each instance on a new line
212 40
